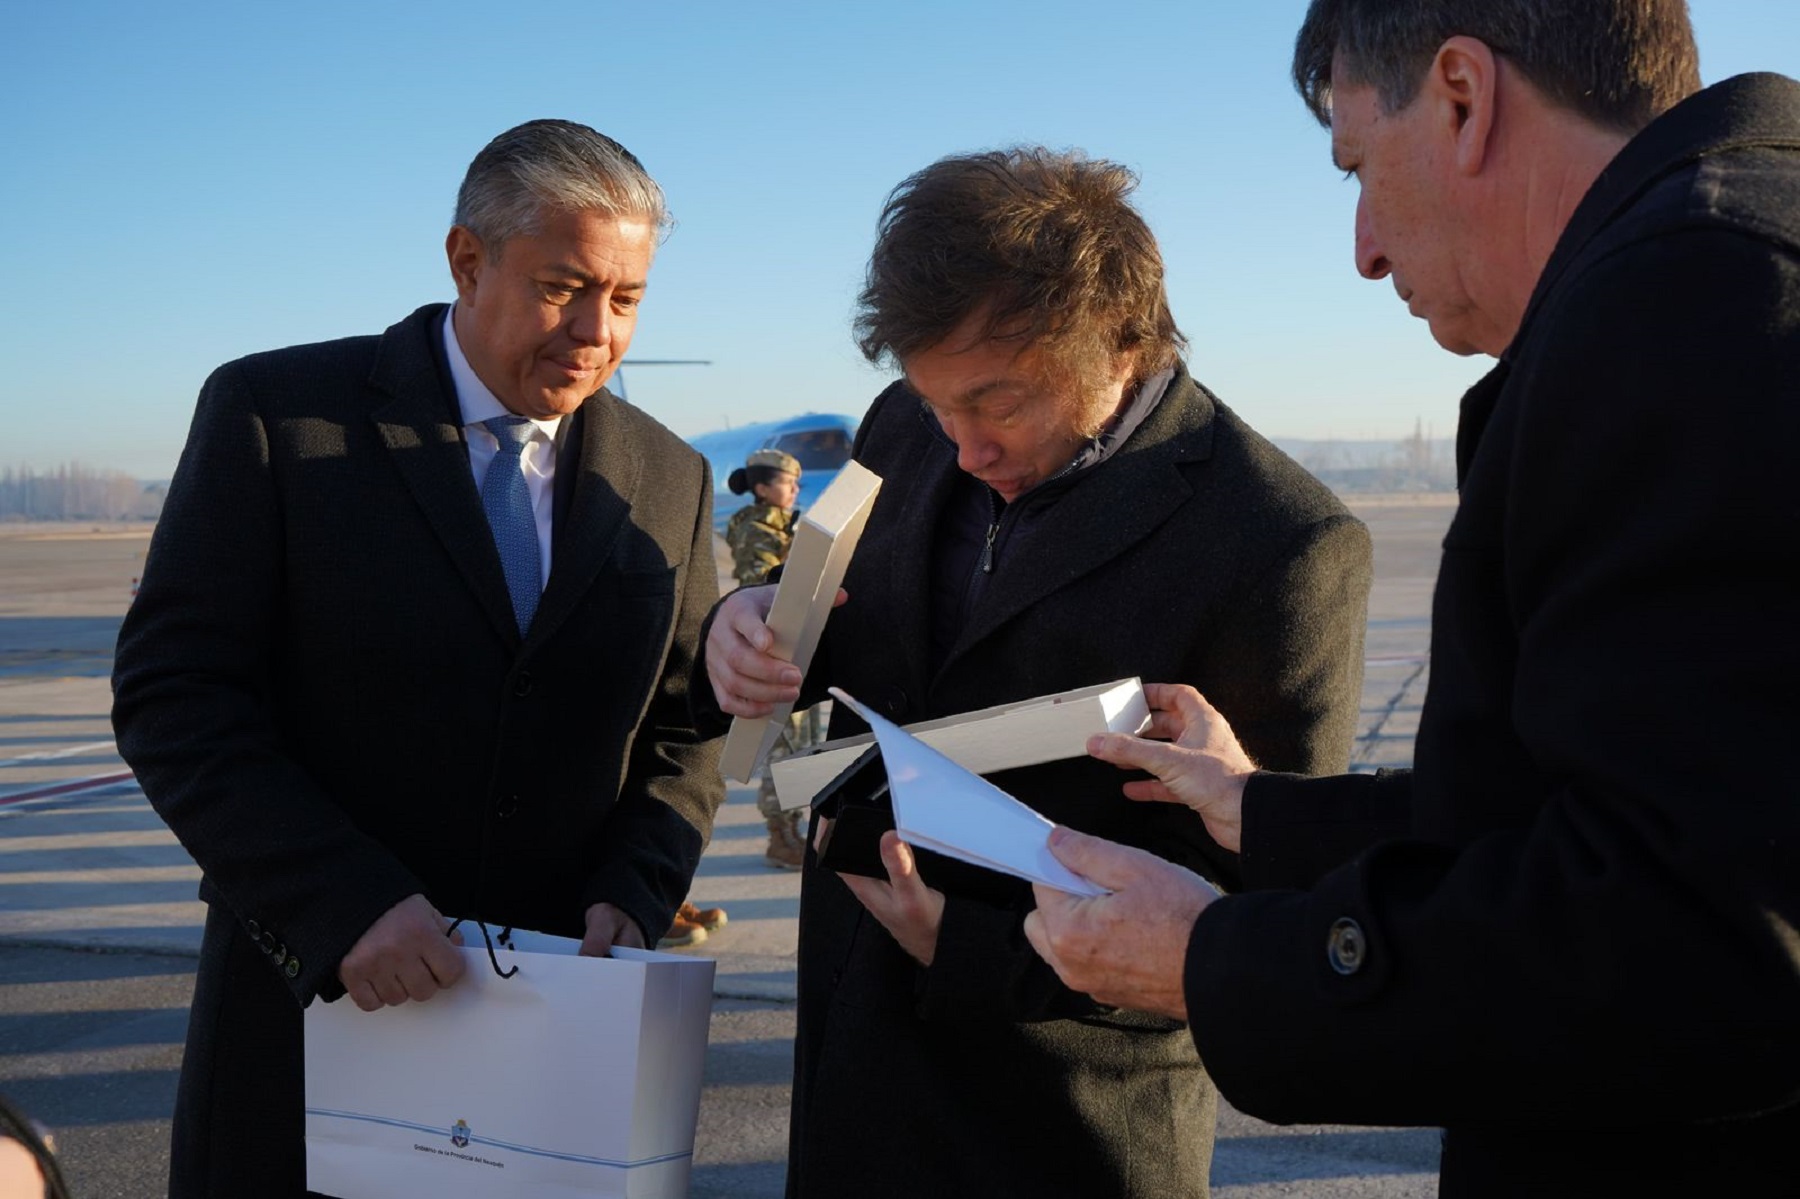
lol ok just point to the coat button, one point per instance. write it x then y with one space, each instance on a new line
253 928
507 807
1346 947
267 942
522 684
292 969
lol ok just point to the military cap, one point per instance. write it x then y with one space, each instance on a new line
775 459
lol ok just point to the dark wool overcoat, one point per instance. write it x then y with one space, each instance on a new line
1578 948
1196 553
322 688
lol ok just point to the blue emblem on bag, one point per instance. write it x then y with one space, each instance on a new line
459 1134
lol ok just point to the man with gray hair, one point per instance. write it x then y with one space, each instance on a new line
413 640
1571 934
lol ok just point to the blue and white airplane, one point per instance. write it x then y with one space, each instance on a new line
821 441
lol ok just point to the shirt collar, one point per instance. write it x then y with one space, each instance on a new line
477 403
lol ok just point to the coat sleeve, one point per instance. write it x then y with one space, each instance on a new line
1627 952
1286 668
194 710
1297 829
1288 663
660 825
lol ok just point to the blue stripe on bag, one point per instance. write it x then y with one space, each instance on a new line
438 1129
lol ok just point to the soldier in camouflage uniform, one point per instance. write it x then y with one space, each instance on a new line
760 533
759 536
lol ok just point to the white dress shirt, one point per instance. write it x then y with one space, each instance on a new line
538 460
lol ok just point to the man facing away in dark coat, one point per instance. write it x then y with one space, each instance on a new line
1062 505
1571 935
386 667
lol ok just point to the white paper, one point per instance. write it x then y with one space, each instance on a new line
942 807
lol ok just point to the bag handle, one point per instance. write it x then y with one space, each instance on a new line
505 943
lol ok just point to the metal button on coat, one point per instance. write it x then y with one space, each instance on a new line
292 969
1346 947
507 807
522 684
254 929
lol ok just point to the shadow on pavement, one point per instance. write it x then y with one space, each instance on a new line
108 1097
61 1032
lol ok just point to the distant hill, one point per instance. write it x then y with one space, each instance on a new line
1418 463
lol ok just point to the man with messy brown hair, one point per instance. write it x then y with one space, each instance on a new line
1062 505
1041 245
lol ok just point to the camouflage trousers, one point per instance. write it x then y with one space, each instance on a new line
803 730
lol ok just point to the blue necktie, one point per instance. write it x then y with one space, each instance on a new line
507 502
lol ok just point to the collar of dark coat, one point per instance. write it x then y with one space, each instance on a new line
421 425
1744 111
1747 110
1103 512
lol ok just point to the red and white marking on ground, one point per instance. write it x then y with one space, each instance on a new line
66 787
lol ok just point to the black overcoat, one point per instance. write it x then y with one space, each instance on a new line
1197 553
1578 952
322 689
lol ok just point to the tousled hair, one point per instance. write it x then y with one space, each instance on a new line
1045 245
553 166
1617 63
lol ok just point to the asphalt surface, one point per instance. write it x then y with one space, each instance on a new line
99 923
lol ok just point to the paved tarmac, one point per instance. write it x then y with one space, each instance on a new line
99 923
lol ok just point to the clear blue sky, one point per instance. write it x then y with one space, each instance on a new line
184 184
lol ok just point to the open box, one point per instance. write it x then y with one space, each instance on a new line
1046 728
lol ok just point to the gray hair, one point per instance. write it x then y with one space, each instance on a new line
553 166
1617 63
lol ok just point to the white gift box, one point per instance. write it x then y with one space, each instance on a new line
574 1077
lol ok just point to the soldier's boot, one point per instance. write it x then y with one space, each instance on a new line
787 844
710 919
682 933
691 926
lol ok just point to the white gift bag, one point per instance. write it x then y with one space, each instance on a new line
576 1077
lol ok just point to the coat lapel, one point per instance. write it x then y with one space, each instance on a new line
418 426
921 494
1118 504
608 474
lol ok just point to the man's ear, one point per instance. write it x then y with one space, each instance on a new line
468 256
1464 80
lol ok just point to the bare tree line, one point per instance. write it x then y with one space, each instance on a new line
72 491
